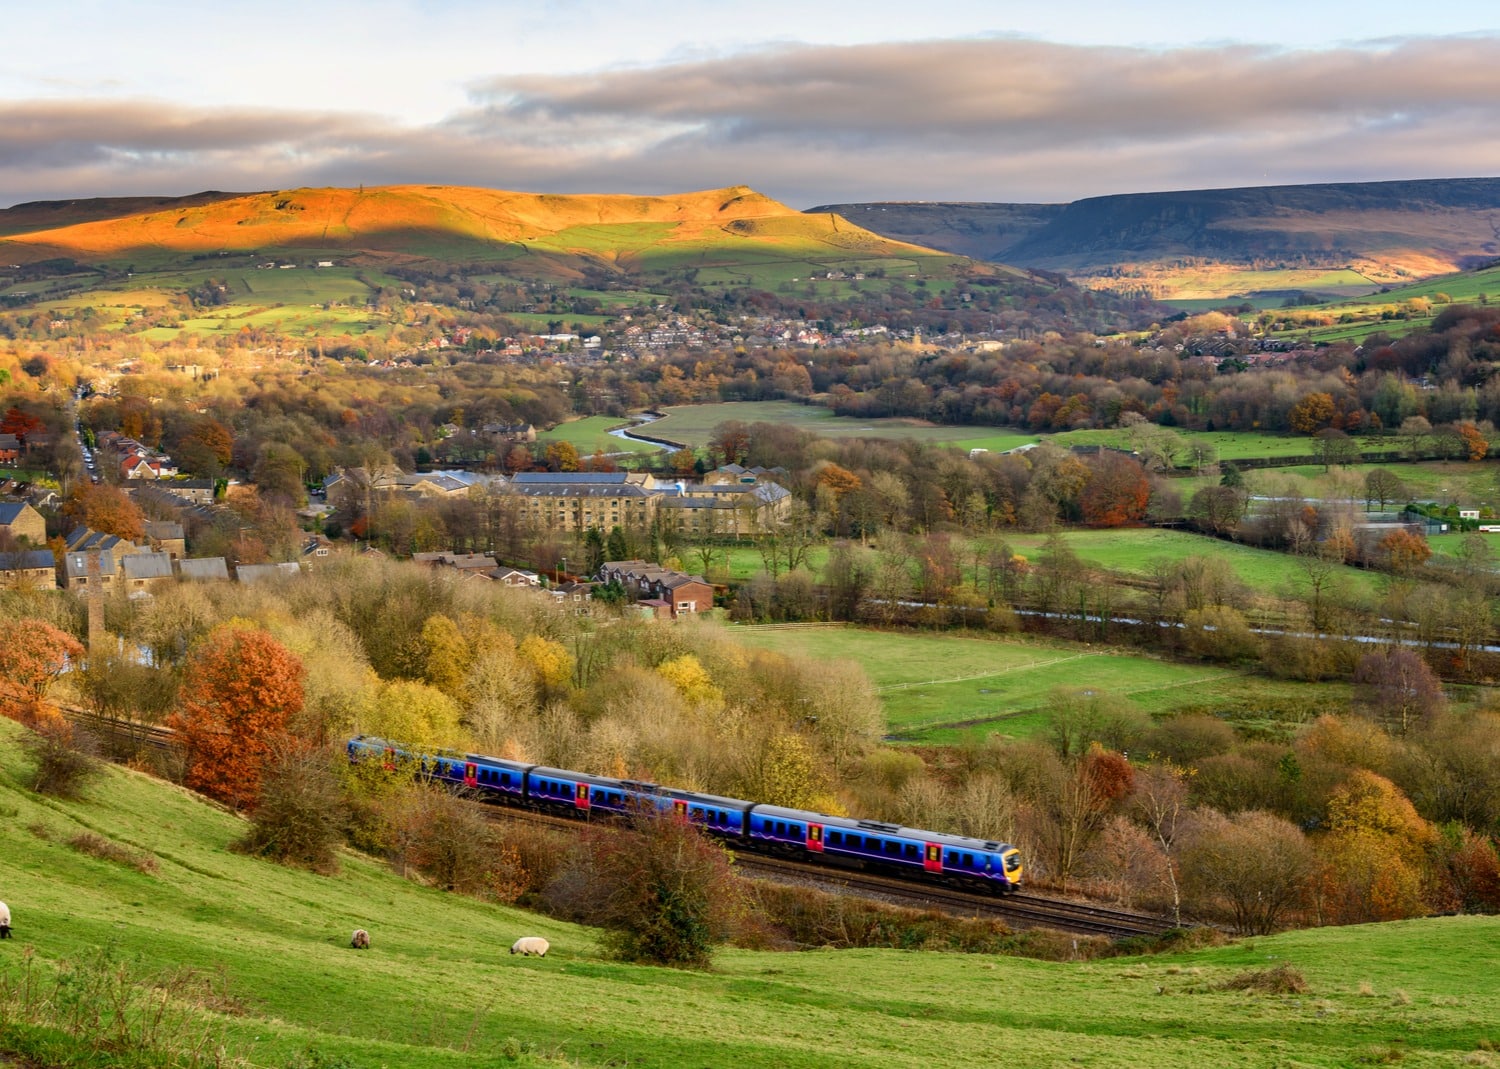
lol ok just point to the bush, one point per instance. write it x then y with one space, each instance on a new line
663 891
448 840
64 759
299 819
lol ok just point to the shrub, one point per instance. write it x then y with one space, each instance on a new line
300 816
1282 979
63 756
664 892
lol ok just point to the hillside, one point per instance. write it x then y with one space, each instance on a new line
1376 232
535 234
261 958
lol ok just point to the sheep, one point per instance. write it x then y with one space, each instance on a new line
360 940
529 945
4 921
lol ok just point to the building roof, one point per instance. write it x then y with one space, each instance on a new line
76 565
147 566
25 559
10 511
618 489
532 478
255 573
164 529
204 568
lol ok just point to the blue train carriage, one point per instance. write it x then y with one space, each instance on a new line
713 813
577 793
955 859
490 776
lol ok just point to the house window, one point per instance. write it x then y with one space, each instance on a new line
686 606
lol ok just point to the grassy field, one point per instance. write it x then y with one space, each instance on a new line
944 688
591 433
694 425
1129 551
1230 445
438 989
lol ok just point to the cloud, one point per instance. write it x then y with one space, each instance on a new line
994 119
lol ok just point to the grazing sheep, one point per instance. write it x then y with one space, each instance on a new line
360 940
4 921
529 945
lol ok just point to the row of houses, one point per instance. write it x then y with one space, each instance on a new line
134 460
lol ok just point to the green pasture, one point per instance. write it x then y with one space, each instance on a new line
695 425
944 688
1131 551
1441 481
592 433
1230 445
439 990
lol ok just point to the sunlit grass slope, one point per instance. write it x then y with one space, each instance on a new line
439 989
549 234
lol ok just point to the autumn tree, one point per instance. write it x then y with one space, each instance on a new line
1396 688
1312 413
1474 444
1376 854
562 456
1253 868
1383 486
1116 493
33 655
239 689
1219 508
1403 551
106 509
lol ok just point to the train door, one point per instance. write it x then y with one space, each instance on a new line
932 858
471 774
680 809
581 795
815 838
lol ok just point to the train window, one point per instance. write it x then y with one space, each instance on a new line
723 818
1013 862
781 827
911 851
892 847
505 779
950 858
696 812
796 831
968 861
835 838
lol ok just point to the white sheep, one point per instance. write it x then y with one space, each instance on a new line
360 940
4 921
529 945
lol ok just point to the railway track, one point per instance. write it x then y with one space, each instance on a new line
1019 910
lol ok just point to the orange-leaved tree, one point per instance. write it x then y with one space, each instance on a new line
33 653
239 690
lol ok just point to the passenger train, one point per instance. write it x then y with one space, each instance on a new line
954 860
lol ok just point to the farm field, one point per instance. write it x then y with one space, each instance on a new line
1230 445
591 433
1131 551
1436 481
694 425
438 990
945 688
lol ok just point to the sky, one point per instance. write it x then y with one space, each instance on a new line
810 102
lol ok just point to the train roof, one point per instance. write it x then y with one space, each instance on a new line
880 827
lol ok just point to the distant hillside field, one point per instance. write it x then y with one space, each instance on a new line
542 234
1200 243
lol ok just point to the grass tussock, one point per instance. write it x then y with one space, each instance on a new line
98 1010
1281 979
108 850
